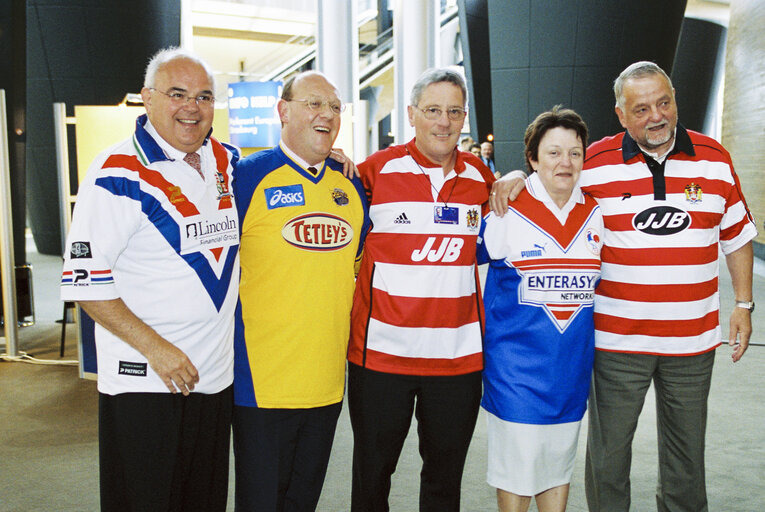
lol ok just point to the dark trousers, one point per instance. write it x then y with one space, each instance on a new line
164 452
620 382
281 457
381 407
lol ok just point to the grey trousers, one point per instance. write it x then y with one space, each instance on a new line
619 384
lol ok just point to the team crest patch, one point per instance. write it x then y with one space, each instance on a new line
693 193
593 241
472 219
340 197
220 182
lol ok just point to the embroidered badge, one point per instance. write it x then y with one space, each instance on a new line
472 219
340 197
220 182
693 193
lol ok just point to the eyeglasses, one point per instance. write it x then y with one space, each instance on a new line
318 104
178 98
434 113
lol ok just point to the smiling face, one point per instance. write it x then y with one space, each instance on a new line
184 125
310 133
559 161
437 139
649 112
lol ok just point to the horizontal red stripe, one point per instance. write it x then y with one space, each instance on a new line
416 187
553 263
733 231
661 328
155 179
660 256
424 312
657 292
381 362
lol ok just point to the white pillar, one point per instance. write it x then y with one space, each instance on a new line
415 33
337 56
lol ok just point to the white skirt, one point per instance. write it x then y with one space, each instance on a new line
528 459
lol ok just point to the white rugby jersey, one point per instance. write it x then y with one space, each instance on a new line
544 264
147 229
659 288
417 307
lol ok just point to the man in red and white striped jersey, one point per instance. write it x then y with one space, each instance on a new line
416 331
670 200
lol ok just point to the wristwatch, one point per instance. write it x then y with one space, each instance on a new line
746 305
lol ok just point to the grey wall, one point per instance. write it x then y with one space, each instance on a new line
569 52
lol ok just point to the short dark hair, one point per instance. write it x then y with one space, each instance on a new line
554 118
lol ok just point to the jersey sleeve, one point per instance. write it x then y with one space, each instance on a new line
105 216
737 225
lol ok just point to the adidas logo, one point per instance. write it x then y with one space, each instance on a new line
402 219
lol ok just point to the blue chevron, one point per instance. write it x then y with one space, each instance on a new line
169 229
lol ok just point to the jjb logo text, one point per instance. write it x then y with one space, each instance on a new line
662 220
279 197
447 252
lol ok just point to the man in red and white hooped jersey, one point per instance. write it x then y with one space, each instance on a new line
416 331
670 200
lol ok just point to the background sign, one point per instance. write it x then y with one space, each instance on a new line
252 118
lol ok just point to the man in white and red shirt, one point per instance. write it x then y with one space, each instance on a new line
416 331
670 200
152 257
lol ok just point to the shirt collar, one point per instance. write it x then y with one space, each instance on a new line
151 146
459 162
630 148
294 157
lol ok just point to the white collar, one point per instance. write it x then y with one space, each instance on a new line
539 192
302 163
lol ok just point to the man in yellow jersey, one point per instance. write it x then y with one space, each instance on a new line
302 226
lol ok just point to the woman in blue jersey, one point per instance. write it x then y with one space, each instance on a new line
544 257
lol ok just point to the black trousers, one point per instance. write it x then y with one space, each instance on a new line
381 407
281 457
164 452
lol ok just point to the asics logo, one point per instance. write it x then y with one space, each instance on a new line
278 197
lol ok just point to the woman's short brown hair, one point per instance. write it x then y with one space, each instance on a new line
557 117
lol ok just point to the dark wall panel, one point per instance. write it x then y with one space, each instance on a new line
12 73
82 52
698 72
474 37
569 52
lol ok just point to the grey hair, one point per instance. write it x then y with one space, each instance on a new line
170 54
434 76
636 70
